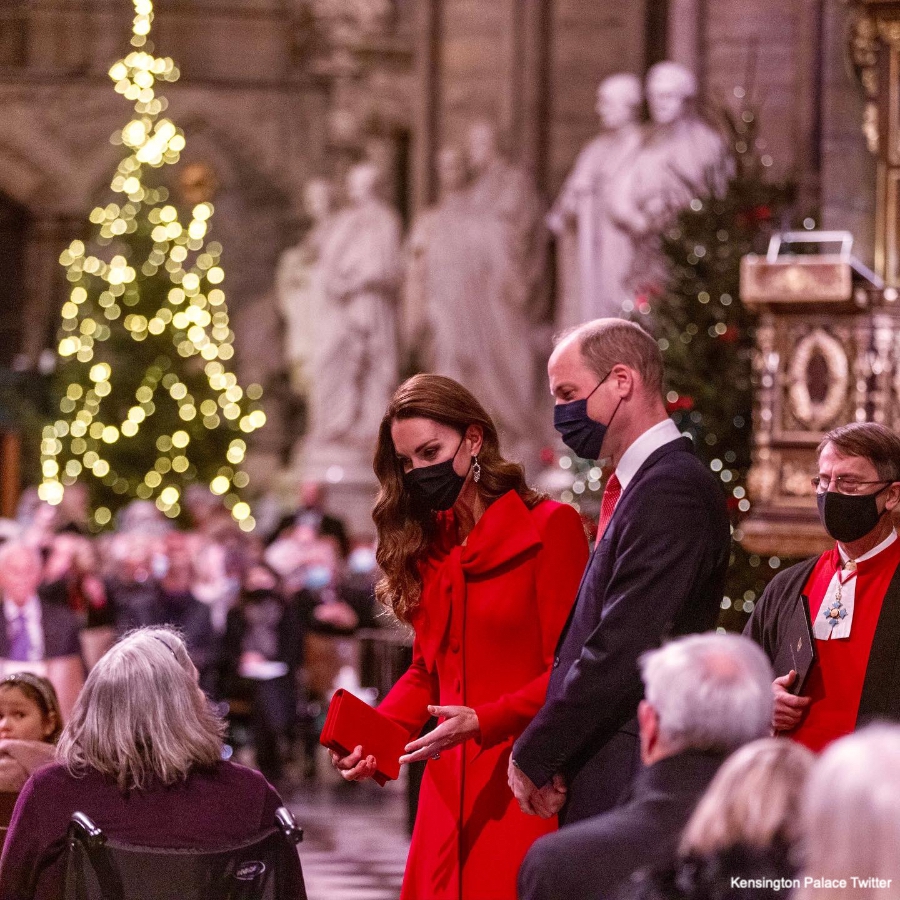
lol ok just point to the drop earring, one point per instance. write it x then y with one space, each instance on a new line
476 469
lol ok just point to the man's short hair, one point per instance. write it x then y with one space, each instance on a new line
870 440
605 343
711 691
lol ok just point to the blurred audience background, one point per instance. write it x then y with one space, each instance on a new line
272 621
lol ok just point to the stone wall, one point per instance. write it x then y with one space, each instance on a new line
791 58
590 41
531 67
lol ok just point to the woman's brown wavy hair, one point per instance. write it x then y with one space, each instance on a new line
404 530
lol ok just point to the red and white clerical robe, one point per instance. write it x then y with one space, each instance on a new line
835 684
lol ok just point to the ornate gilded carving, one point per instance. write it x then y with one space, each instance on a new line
762 478
870 127
862 47
809 380
795 480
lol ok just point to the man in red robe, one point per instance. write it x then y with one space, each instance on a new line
853 591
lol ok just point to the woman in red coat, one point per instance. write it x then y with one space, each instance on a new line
485 570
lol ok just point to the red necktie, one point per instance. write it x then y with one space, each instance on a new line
610 499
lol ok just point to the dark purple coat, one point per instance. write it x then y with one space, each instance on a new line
212 808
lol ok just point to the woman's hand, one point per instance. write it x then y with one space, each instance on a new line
460 723
353 767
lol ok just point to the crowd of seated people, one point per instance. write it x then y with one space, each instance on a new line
244 605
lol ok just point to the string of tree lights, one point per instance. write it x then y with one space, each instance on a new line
148 402
707 338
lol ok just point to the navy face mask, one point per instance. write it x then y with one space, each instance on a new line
435 487
580 433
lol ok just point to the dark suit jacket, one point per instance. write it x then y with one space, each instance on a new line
61 629
290 642
658 571
592 859
329 526
186 613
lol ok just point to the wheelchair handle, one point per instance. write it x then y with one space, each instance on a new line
288 825
82 829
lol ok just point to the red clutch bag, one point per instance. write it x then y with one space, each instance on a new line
351 722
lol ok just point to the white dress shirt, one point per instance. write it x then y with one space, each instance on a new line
640 451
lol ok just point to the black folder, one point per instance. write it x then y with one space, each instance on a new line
797 647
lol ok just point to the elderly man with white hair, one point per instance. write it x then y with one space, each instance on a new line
36 636
705 696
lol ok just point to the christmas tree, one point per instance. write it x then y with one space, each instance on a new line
147 400
707 335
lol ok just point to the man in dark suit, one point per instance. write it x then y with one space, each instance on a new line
706 695
658 570
37 636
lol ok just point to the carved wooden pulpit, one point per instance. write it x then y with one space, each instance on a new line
828 343
827 353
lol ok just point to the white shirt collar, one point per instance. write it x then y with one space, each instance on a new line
640 451
873 552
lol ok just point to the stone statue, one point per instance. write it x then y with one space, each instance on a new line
506 194
356 360
438 244
680 157
470 286
594 253
300 290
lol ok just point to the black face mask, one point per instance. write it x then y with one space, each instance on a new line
580 433
435 487
849 517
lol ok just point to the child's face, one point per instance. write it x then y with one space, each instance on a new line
21 718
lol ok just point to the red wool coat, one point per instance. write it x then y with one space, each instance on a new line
486 629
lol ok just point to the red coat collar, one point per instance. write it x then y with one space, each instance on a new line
504 533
